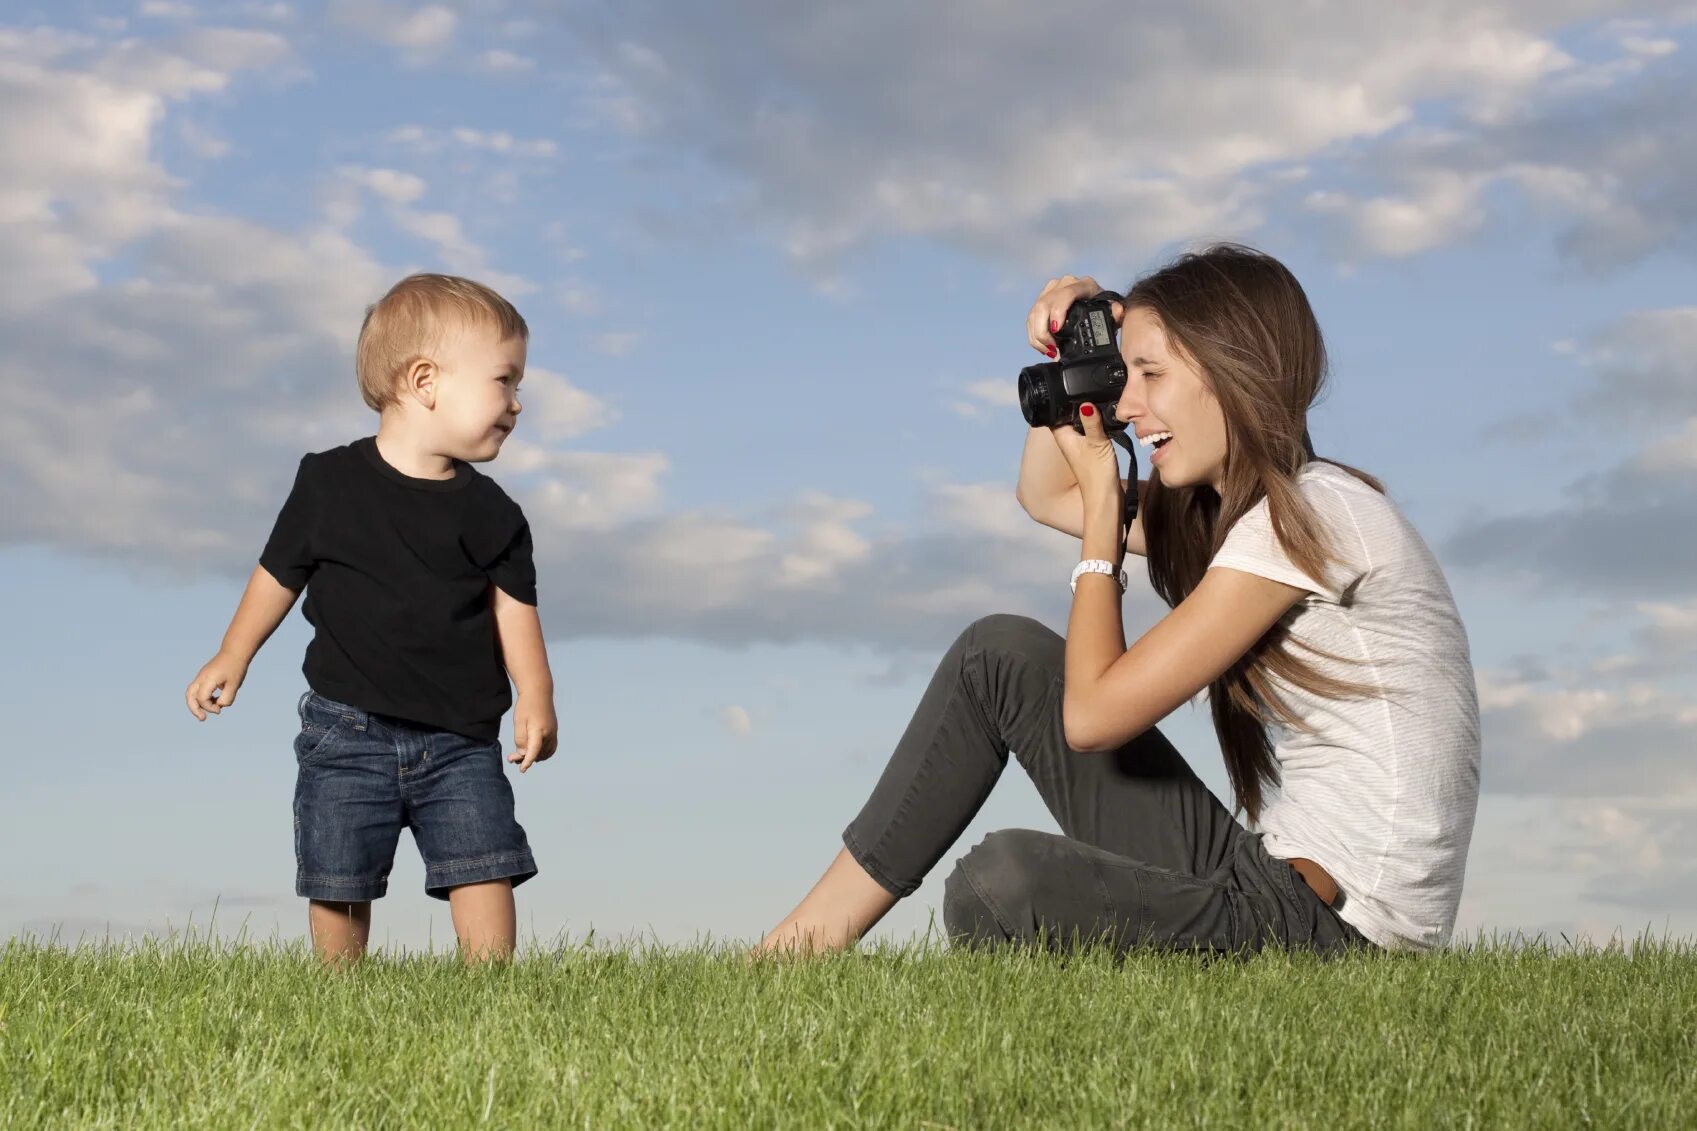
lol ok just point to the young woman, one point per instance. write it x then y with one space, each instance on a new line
1302 602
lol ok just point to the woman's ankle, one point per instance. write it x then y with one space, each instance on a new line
802 937
845 904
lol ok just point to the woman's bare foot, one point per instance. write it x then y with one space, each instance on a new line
843 905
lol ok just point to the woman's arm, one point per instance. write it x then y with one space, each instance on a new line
1049 493
1113 694
1048 489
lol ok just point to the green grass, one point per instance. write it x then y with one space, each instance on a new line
199 1034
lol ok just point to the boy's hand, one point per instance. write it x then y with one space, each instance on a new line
216 686
535 731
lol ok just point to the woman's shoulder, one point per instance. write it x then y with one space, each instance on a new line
1319 472
1366 522
1334 490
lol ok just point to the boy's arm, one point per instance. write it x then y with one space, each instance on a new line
519 630
263 606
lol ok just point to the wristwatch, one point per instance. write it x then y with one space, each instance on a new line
1097 565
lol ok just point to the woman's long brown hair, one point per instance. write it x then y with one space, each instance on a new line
1245 322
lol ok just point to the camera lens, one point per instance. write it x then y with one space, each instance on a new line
1036 399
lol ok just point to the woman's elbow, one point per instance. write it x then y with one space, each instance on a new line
1081 733
1091 733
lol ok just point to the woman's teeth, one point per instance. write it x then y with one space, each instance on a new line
1153 438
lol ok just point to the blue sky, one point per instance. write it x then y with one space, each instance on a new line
776 265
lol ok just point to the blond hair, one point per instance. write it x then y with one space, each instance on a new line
407 325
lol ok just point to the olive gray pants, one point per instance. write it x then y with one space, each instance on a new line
1146 855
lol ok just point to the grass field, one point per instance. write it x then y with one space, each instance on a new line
199 1034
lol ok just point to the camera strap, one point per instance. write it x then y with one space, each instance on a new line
1124 440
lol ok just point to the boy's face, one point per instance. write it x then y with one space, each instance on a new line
477 400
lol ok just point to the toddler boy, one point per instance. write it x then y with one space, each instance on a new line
421 588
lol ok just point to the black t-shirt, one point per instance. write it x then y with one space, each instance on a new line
397 573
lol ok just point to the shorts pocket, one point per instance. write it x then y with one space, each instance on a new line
320 724
314 739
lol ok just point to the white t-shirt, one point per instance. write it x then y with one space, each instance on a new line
1382 793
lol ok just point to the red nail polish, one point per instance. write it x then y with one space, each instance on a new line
1050 350
1086 410
1054 324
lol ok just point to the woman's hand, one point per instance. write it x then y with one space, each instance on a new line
1091 458
1050 309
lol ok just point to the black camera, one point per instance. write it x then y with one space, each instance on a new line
1090 370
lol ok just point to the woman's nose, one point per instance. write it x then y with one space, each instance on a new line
1128 405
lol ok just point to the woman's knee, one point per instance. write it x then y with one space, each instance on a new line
1005 647
989 897
1007 632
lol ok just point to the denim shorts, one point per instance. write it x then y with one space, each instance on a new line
363 777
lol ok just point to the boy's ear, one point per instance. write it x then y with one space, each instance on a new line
419 382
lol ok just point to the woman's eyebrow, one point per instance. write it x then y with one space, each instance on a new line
1143 361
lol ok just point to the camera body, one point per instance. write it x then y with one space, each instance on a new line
1090 370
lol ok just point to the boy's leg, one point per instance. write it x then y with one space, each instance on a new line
460 807
348 818
339 931
484 920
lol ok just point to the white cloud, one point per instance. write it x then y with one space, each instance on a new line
1441 208
167 10
501 61
576 491
994 393
456 250
444 231
429 141
1641 389
77 140
1634 852
1162 124
1669 632
1600 155
279 309
1618 723
558 410
202 143
616 343
1587 732
420 33
737 721
1643 368
500 141
580 300
392 185
826 542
